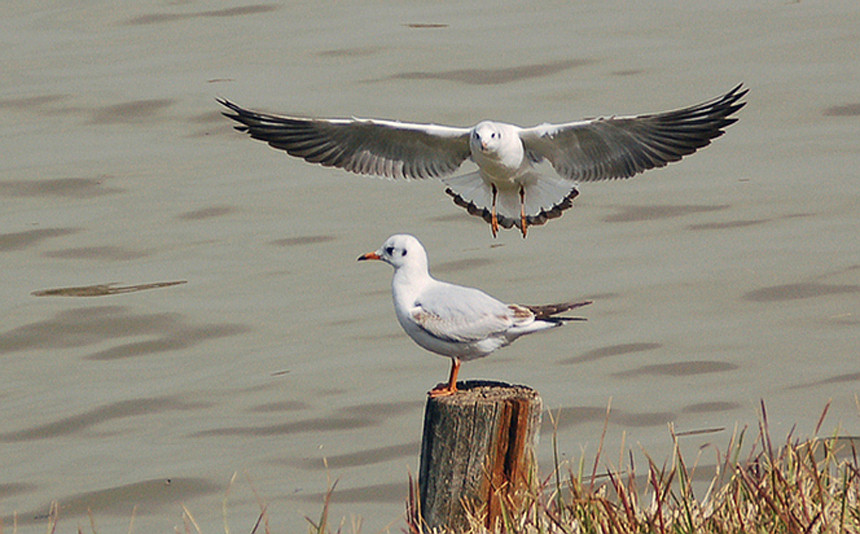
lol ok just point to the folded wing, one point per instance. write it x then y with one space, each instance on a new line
619 147
364 146
461 314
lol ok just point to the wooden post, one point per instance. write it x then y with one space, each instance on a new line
478 449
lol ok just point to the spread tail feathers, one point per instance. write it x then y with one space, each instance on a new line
545 199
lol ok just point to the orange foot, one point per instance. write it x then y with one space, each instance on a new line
443 390
494 220
523 222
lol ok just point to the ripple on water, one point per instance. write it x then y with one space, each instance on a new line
358 458
102 253
495 76
393 492
710 407
836 379
568 417
685 368
93 325
117 410
798 291
845 110
58 187
206 213
157 18
147 496
302 240
666 211
317 424
131 112
29 238
609 351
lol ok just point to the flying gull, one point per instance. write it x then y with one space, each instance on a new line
509 188
459 322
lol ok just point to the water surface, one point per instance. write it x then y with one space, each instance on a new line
730 278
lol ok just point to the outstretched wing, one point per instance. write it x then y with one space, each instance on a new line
619 147
364 146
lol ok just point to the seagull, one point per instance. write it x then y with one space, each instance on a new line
510 187
459 322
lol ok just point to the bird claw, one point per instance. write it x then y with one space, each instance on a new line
442 390
447 388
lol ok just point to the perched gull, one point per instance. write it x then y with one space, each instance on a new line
508 189
462 323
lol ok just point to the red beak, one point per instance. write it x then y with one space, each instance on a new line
369 256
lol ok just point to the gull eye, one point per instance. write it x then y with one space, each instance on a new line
403 253
389 250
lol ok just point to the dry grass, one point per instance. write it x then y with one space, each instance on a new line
802 486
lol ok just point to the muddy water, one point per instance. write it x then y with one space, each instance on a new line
180 303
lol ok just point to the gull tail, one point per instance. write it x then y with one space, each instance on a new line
545 198
548 312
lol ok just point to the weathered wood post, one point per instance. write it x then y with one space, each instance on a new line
478 450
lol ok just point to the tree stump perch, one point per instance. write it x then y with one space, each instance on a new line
477 451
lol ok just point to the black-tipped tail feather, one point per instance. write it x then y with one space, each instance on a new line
549 312
509 222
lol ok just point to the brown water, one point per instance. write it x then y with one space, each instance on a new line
729 278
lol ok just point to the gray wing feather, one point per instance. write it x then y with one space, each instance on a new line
363 146
462 314
619 147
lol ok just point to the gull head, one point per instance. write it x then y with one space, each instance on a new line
496 143
401 251
486 137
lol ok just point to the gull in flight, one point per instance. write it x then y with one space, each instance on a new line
509 188
459 322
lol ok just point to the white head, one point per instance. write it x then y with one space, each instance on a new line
486 137
401 251
496 142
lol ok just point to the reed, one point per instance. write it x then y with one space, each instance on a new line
801 486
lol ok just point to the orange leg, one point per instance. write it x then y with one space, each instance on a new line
451 387
523 223
494 221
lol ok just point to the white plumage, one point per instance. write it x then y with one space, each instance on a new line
508 189
462 323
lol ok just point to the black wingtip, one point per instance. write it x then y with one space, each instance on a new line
731 100
236 110
227 104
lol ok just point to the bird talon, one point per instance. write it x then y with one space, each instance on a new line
441 390
494 219
449 388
